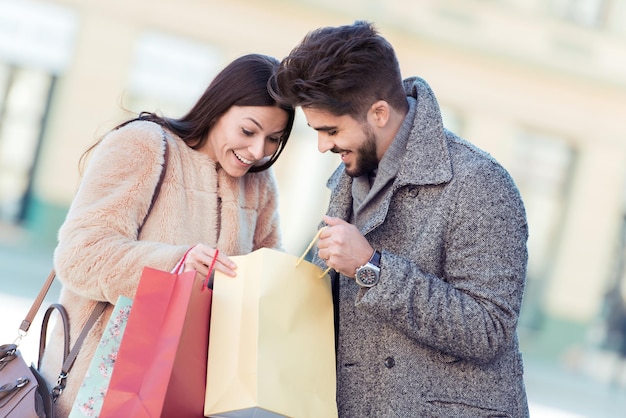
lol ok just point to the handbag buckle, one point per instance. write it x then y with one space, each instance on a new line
7 353
8 390
7 350
20 334
58 389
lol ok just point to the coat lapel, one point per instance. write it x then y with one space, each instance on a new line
340 185
426 162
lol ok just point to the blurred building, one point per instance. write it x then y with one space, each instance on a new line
540 84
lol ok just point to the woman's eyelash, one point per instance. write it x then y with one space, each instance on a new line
251 133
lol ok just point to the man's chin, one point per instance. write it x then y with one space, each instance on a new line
353 172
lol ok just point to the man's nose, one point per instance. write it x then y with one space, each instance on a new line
324 143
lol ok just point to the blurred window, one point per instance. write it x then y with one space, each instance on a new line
590 13
612 335
36 45
542 166
170 85
618 283
23 102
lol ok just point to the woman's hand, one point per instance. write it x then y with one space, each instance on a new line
200 257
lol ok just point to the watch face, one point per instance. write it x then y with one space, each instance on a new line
367 276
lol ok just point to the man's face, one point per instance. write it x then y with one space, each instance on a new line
355 141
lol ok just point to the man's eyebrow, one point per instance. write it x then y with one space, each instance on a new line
324 128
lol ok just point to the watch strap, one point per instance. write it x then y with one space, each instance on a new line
375 259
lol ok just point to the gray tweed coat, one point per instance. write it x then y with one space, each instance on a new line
437 336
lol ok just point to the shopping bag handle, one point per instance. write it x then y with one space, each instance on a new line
205 284
179 267
315 238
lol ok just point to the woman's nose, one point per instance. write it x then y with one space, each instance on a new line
257 148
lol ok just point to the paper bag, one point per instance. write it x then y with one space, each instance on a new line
161 364
272 350
91 394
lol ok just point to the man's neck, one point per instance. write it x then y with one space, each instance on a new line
388 133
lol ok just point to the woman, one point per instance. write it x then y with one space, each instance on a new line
217 193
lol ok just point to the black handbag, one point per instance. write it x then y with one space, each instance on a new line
24 393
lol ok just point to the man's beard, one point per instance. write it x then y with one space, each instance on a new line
366 160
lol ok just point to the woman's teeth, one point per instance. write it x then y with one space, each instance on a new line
243 160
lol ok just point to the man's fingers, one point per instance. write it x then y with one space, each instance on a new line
332 221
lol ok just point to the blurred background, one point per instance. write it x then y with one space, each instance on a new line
539 84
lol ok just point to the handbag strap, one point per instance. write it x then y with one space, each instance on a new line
65 320
157 189
70 358
30 316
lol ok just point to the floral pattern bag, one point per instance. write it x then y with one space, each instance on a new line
90 397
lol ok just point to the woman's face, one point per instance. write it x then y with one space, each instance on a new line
243 136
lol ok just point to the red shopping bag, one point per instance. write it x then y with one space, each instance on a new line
160 369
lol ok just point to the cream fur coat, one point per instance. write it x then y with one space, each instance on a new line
99 256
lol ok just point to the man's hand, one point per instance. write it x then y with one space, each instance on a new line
342 246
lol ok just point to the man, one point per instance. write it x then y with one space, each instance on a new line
426 233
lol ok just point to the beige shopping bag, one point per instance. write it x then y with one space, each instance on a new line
272 350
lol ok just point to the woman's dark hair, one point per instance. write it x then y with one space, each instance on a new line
243 82
343 70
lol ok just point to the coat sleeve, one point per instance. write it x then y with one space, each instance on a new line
471 307
98 254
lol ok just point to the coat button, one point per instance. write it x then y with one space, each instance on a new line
414 192
389 362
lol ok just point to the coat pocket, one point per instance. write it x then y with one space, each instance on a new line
463 408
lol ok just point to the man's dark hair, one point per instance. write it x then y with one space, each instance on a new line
342 70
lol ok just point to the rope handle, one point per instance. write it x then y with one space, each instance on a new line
315 238
205 285
178 268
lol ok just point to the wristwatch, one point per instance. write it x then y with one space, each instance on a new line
368 274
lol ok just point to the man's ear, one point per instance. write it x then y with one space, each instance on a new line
379 113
